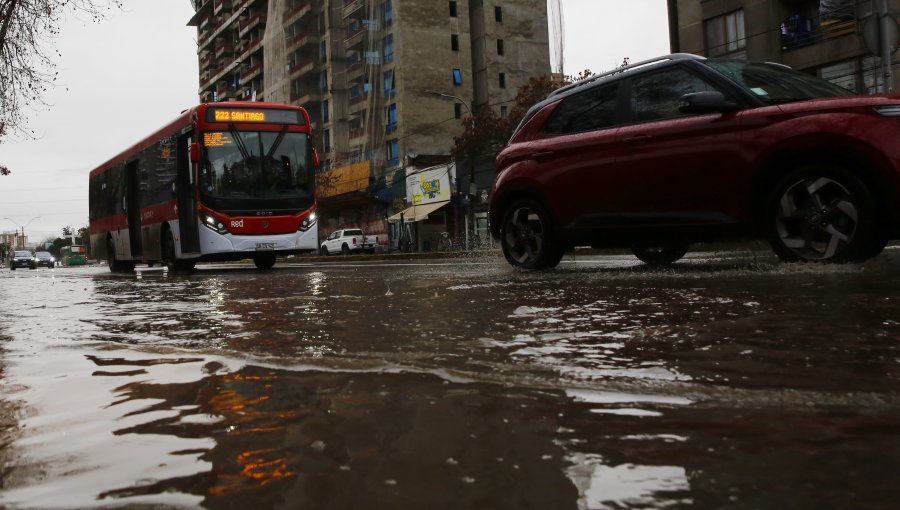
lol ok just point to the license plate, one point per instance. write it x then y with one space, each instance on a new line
265 246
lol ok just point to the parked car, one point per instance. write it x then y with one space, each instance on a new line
347 241
668 152
44 258
21 258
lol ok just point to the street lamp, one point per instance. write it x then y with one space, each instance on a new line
451 96
22 227
470 217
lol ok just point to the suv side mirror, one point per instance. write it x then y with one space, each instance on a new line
706 102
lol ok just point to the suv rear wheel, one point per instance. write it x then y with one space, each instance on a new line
528 236
823 213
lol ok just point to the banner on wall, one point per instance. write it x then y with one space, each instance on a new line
429 185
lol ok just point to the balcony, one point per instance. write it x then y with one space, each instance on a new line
220 5
351 6
301 68
301 39
226 91
251 72
307 97
358 98
248 24
297 12
205 60
799 32
356 35
223 48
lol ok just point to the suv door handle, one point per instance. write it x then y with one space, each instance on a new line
543 154
638 139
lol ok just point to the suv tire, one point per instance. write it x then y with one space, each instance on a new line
823 213
528 236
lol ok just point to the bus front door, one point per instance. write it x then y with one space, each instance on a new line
186 199
133 208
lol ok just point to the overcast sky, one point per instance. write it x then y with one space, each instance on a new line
121 79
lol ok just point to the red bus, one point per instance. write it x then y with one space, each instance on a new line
223 181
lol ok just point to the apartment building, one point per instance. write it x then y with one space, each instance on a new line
12 240
830 38
386 82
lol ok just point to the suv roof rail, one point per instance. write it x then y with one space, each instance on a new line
664 58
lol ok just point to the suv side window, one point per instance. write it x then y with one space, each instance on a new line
658 95
588 111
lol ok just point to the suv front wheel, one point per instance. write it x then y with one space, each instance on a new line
528 237
823 213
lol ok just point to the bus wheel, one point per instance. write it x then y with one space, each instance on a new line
264 261
115 265
170 260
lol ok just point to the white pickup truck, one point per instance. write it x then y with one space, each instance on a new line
348 241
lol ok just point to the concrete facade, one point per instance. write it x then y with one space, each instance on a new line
386 82
822 37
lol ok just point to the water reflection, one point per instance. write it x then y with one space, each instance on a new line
460 385
331 440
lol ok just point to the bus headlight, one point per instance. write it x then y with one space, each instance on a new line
308 222
213 223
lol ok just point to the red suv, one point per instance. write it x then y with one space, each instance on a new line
671 151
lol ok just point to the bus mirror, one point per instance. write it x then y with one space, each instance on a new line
195 152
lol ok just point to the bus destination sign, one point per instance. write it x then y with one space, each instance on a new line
253 115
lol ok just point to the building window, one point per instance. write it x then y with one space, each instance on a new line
454 42
498 14
389 89
499 46
504 111
388 13
452 8
326 140
392 152
457 110
325 114
502 80
388 48
859 75
391 115
725 34
457 77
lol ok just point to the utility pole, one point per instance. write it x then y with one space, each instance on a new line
470 209
886 49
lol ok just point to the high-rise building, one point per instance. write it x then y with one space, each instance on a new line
386 82
834 39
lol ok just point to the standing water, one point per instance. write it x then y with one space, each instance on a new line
726 381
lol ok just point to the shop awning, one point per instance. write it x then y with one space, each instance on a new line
417 212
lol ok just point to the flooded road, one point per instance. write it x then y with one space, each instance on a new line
724 382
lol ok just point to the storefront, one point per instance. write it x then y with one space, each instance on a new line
424 225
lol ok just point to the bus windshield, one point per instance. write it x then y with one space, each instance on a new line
255 165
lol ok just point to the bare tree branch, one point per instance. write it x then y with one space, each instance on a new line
28 29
